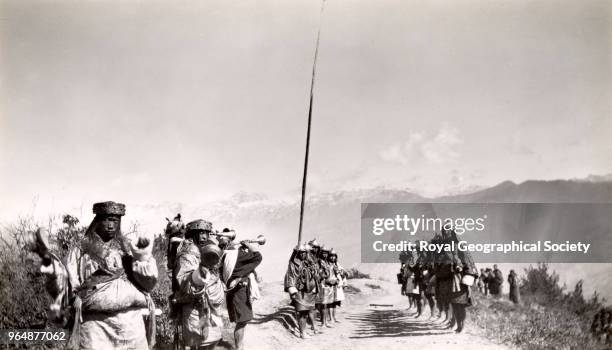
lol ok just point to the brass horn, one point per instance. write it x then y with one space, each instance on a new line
229 235
261 240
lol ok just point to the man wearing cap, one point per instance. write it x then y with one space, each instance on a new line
200 293
301 284
338 291
327 281
236 266
109 278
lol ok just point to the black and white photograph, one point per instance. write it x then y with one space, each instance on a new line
306 174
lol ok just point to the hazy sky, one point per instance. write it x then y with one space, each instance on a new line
148 102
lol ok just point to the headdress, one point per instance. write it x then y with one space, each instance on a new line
109 208
313 243
301 248
200 225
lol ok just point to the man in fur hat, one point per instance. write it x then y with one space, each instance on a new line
107 280
200 291
301 284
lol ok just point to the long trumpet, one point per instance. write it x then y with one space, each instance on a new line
261 240
229 235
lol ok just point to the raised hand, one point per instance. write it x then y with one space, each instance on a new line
141 247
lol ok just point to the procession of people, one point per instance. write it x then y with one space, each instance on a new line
315 283
440 281
107 279
445 281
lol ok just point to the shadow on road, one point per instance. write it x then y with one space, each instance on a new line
393 323
285 316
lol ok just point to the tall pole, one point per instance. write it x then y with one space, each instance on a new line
312 82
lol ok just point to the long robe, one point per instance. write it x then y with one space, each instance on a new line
326 291
114 290
238 298
200 298
300 280
515 295
339 288
495 282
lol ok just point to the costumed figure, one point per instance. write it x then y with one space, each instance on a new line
514 294
238 273
200 292
301 284
327 281
338 289
495 282
429 288
464 275
106 282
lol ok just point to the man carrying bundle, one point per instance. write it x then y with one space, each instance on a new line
237 271
106 280
200 292
301 284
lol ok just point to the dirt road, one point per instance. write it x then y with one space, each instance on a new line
362 325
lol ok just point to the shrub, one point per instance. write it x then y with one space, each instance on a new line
549 318
350 289
353 273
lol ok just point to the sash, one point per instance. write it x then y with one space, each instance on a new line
229 263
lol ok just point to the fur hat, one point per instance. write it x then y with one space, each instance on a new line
109 208
200 225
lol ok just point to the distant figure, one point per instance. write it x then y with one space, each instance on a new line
487 279
482 283
515 296
496 281
460 297
429 281
327 281
414 287
443 288
338 288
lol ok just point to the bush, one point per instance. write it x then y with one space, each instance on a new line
353 273
549 318
23 297
163 289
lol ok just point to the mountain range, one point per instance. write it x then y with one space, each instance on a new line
334 219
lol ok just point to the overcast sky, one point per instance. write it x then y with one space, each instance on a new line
148 102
